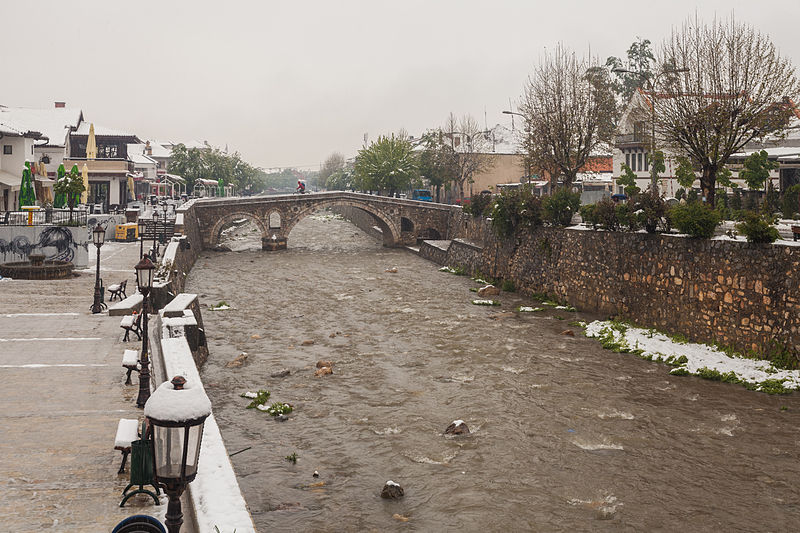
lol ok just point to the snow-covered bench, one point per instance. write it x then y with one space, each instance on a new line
796 232
131 323
127 432
117 291
130 360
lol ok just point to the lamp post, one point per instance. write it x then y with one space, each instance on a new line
141 223
98 237
144 280
164 226
155 234
176 414
644 76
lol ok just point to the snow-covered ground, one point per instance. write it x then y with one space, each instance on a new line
694 359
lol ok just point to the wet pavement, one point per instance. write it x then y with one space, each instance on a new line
62 395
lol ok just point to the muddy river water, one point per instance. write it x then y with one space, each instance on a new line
565 436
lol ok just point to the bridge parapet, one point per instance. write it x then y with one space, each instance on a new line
401 221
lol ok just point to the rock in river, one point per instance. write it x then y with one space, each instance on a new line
280 374
323 371
238 361
458 427
489 290
392 490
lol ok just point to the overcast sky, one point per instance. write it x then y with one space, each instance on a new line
287 83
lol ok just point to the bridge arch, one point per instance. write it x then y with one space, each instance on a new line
389 228
228 220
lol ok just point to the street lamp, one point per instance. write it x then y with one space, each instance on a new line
155 234
144 279
176 414
645 76
141 222
98 237
163 238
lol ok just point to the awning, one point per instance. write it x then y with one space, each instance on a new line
174 177
10 180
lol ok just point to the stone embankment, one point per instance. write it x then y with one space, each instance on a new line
734 293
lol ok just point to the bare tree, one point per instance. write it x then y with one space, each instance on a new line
737 88
333 164
469 150
569 109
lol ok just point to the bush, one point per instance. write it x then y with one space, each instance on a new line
560 206
695 219
606 213
757 229
790 203
479 205
588 215
651 210
514 209
625 217
680 193
736 200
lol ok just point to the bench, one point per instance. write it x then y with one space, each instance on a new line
118 291
796 232
127 432
131 323
130 360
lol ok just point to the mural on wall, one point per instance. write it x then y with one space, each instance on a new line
53 237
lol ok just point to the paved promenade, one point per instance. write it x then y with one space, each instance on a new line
62 393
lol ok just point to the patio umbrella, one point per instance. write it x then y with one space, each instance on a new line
91 144
61 198
85 193
131 188
27 196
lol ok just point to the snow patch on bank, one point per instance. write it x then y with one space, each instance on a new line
691 358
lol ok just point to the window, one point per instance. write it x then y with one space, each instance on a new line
6 149
646 160
107 151
628 159
639 161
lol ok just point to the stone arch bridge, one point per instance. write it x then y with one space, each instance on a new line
401 221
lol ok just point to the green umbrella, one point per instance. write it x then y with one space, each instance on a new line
221 190
61 198
27 196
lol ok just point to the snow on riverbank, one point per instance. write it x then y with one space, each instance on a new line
695 359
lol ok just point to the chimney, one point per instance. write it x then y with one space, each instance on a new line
148 150
61 105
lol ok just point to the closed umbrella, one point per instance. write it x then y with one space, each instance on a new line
27 196
91 144
85 193
61 198
221 187
131 188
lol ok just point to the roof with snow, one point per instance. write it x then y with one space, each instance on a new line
102 131
51 123
136 154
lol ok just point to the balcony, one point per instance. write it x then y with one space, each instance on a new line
631 140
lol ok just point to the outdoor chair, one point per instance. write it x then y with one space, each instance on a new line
131 323
118 290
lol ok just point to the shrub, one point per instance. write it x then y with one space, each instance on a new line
757 229
680 193
625 217
790 203
514 209
606 214
479 205
588 214
560 206
736 200
695 219
651 210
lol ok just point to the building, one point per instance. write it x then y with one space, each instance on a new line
46 131
632 148
109 169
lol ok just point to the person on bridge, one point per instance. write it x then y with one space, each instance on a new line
301 186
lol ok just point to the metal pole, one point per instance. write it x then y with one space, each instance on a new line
144 360
98 305
155 237
174 516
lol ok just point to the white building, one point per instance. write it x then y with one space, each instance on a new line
632 148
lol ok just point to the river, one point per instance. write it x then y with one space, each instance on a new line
565 436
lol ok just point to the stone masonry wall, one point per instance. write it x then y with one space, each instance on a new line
739 294
360 219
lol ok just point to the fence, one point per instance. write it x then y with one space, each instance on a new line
54 217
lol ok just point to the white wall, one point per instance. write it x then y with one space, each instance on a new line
21 151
